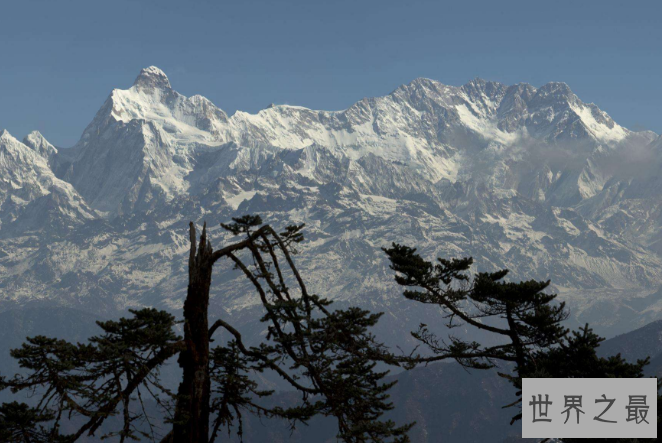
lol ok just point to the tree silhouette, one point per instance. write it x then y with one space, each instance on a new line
328 356
520 314
576 357
524 319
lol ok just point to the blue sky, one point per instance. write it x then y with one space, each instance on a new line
61 59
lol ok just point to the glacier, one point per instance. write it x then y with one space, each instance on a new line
529 179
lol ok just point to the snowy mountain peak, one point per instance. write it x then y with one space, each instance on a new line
36 136
32 198
152 78
557 92
38 143
422 81
560 88
5 136
530 179
483 85
146 141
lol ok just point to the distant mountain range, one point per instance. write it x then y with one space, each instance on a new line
524 178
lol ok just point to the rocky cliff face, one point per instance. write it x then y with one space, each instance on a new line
529 179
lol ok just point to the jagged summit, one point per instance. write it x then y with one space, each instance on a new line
481 83
556 91
35 135
421 81
34 138
426 125
152 78
31 196
5 135
36 141
530 179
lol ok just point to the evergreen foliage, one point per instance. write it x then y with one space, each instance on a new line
521 314
329 356
576 357
525 320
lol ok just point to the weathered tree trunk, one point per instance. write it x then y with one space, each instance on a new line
192 411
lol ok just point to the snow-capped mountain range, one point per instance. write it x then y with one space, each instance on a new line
524 178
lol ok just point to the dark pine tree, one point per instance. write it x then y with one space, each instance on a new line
520 317
329 356
576 357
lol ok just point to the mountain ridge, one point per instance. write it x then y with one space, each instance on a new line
530 179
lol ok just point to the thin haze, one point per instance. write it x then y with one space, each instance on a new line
61 59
